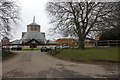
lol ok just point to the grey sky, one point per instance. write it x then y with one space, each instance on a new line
30 8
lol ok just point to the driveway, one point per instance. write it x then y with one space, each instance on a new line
34 64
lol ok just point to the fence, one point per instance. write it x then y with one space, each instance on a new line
107 43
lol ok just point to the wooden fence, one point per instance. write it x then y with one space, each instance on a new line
107 43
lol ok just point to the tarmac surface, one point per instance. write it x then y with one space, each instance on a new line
36 64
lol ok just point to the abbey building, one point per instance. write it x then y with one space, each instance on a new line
33 36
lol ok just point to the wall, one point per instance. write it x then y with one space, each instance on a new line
68 42
5 41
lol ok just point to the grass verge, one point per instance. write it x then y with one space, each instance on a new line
30 49
7 54
89 55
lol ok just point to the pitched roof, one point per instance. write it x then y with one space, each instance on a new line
51 42
16 42
5 38
34 24
33 35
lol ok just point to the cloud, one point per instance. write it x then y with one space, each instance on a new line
30 8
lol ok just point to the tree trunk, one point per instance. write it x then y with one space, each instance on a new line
81 44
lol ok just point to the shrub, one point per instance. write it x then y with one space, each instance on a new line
53 52
6 53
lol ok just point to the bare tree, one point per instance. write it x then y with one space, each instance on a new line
79 18
9 15
114 21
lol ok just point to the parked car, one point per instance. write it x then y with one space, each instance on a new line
16 48
5 48
53 47
64 47
45 49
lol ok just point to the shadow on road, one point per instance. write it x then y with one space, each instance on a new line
50 73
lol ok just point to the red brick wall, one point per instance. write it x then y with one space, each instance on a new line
69 42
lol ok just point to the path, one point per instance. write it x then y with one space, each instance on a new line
34 64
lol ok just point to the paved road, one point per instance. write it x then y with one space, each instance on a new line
34 64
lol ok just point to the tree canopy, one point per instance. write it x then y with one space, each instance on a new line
9 15
114 21
112 34
80 18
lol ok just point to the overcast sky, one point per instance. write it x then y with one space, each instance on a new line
30 8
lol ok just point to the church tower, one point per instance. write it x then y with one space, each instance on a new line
33 37
33 26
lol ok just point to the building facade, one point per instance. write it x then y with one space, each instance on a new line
5 41
33 37
97 37
66 42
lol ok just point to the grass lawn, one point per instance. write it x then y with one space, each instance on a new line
90 54
30 49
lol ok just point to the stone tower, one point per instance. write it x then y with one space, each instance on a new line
33 26
33 36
